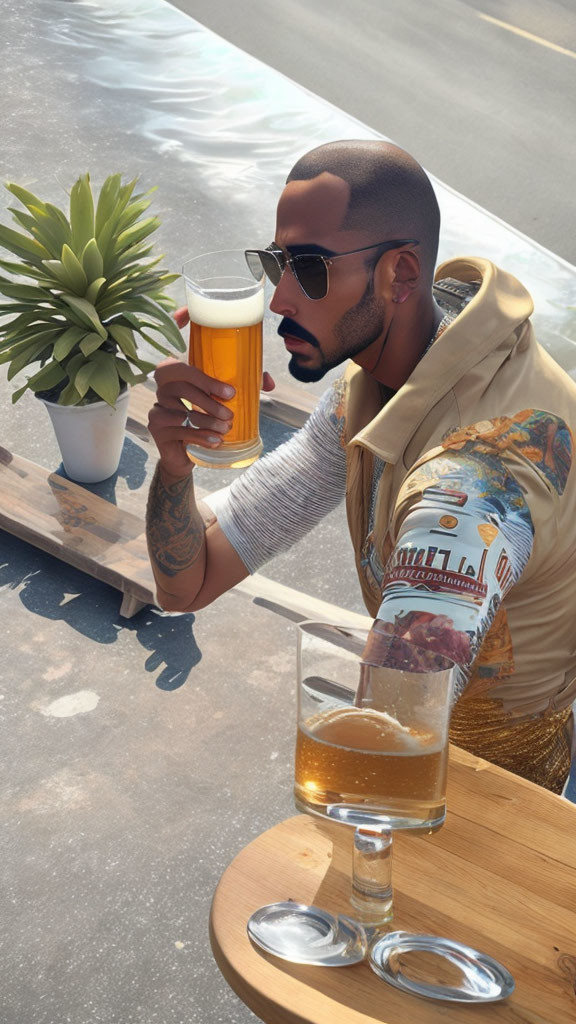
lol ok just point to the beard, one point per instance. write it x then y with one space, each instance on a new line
358 328
305 374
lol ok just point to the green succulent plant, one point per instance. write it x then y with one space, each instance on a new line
90 290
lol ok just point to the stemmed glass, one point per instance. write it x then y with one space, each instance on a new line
372 754
372 747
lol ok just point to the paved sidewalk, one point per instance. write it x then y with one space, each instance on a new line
138 756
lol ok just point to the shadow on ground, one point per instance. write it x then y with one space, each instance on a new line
60 593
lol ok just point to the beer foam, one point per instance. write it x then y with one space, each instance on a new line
221 313
412 739
383 729
387 725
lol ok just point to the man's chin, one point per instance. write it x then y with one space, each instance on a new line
306 374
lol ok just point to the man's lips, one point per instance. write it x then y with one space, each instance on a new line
295 344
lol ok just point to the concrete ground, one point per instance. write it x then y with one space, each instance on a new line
481 92
138 756
128 787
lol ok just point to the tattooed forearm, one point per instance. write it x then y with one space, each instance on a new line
174 526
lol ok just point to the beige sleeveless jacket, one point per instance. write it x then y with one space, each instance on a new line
487 365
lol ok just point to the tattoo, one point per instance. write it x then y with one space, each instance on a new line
174 526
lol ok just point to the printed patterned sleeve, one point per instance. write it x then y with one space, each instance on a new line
284 495
464 535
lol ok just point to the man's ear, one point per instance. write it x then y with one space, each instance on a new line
406 275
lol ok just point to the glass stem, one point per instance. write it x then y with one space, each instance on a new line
372 877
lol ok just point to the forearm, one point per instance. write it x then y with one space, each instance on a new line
175 531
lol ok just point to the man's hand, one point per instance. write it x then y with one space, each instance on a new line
176 381
182 318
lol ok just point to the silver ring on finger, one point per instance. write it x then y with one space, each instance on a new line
187 422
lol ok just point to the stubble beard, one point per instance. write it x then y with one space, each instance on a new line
358 328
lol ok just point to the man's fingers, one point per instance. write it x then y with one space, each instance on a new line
170 396
182 317
160 419
186 435
170 370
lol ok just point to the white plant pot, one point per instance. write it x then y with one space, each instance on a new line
90 437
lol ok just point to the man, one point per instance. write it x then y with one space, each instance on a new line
450 434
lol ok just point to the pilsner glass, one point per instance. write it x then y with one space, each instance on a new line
226 307
372 746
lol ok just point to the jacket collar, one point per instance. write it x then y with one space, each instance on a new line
500 305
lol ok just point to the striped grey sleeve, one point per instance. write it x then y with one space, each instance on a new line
282 496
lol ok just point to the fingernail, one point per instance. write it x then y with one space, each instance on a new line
228 391
213 440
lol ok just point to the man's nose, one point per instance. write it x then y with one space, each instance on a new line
284 301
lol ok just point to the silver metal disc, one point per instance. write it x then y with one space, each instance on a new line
308 935
467 975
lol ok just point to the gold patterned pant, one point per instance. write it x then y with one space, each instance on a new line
537 749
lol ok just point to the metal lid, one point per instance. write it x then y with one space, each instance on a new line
463 976
307 935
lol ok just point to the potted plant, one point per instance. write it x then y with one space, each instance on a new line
80 291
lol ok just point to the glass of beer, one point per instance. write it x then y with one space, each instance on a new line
226 307
372 746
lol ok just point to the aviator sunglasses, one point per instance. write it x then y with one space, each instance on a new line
309 269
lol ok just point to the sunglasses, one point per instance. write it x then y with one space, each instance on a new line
309 269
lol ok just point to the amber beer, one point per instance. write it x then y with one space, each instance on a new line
350 760
233 355
226 343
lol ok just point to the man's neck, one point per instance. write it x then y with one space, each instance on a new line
396 354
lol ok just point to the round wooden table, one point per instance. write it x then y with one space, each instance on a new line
498 876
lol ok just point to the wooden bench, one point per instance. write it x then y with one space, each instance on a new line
76 526
84 530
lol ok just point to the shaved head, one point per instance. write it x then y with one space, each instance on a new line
391 196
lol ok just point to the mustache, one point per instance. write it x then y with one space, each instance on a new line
289 326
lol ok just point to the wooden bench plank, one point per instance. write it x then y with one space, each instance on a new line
69 522
106 542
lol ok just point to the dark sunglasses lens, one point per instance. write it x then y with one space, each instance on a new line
272 266
261 260
254 264
312 274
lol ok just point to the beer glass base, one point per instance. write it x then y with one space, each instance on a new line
374 819
236 456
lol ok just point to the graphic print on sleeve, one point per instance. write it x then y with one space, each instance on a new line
465 540
538 436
